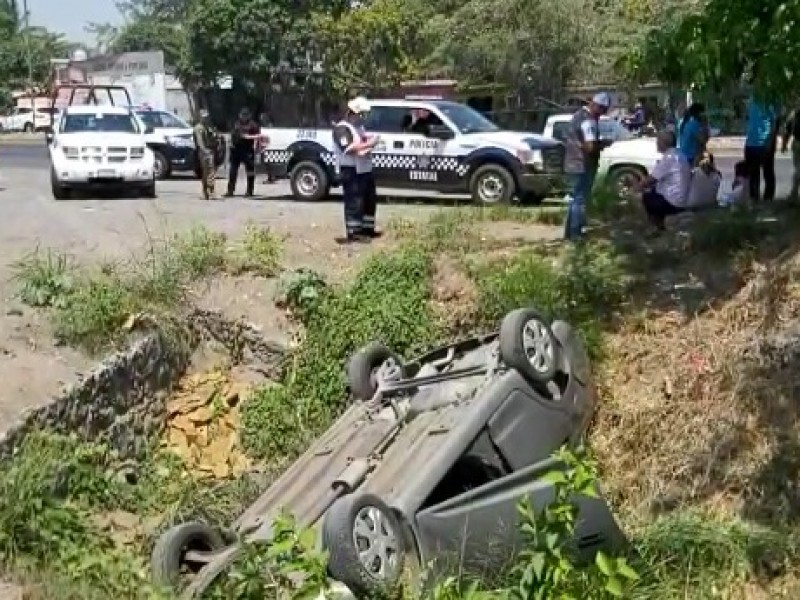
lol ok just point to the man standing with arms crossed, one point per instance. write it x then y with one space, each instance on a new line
353 148
582 154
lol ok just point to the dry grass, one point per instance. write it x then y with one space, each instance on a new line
702 410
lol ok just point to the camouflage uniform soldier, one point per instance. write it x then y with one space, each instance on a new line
205 145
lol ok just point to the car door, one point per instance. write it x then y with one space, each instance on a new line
477 532
434 166
391 158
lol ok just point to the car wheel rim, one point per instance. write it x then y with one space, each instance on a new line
307 183
376 543
538 345
490 188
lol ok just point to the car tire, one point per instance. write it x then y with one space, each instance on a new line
528 345
169 551
161 166
356 521
492 184
59 191
620 179
28 128
149 191
363 366
309 181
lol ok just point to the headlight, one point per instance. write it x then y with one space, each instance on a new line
524 155
537 159
71 151
180 141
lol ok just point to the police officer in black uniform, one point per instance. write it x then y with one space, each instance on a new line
244 138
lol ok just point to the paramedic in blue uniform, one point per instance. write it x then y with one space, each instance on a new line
353 147
581 160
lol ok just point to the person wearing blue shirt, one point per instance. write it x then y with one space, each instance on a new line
692 134
759 147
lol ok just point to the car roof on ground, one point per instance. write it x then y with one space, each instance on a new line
90 109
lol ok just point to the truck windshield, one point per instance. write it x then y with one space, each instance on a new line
99 122
466 119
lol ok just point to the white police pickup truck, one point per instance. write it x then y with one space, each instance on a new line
100 147
459 152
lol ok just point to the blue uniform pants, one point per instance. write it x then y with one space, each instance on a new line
353 220
369 200
581 190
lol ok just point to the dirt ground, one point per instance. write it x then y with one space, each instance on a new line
34 369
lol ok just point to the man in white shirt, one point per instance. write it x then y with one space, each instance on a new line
666 189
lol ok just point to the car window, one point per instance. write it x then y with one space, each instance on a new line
170 120
99 122
560 129
150 118
386 119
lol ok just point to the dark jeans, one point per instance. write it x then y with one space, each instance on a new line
758 159
369 200
658 208
248 159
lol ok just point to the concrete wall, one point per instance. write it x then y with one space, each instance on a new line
123 400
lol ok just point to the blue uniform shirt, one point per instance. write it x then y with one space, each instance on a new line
760 122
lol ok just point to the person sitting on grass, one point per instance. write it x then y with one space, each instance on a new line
665 190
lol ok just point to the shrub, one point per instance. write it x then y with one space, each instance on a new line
388 301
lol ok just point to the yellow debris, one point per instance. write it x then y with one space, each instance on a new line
203 425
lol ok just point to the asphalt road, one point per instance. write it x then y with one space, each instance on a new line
34 157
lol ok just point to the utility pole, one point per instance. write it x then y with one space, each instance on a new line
27 20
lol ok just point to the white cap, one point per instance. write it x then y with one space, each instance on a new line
602 99
358 105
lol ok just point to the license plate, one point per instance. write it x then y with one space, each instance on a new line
106 173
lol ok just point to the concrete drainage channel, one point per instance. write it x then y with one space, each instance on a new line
122 401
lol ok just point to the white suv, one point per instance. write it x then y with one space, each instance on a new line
100 147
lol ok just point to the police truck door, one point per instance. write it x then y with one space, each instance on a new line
390 158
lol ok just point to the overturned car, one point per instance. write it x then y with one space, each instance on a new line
428 464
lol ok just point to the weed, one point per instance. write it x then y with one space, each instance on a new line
730 232
43 280
301 292
288 566
258 251
387 301
582 286
90 307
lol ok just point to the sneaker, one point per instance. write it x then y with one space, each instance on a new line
227 195
372 234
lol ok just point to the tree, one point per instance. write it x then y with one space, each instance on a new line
250 39
375 45
150 25
724 41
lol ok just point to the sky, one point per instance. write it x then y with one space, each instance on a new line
71 16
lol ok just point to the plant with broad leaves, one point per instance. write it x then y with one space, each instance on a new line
546 568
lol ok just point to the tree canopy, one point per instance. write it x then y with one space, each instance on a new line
717 42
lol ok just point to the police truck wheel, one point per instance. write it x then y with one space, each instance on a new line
492 184
309 181
59 191
161 165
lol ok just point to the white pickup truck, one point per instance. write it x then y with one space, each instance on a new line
100 147
458 151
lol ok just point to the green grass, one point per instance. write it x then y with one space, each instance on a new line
92 308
